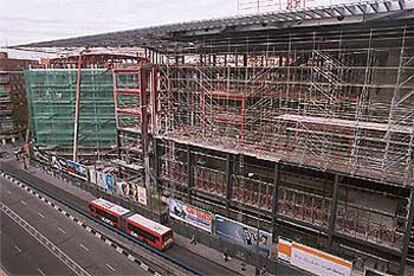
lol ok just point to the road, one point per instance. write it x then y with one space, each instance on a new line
82 247
181 254
22 254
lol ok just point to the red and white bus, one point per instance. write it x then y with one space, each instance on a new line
149 232
108 212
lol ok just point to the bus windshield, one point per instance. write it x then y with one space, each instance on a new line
167 236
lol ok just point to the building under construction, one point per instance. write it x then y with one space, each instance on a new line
300 122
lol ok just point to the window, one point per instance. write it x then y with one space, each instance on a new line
143 233
167 236
107 215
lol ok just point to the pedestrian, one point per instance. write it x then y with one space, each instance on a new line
193 240
243 266
263 270
226 257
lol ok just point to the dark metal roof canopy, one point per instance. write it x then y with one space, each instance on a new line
179 37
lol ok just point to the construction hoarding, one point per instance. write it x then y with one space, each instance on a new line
244 235
313 260
101 179
191 215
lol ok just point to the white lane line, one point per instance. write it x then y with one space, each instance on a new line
17 248
41 272
110 267
9 192
23 202
61 230
84 247
41 215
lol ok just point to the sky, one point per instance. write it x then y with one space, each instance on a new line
24 21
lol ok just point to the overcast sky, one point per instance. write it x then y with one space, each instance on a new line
23 21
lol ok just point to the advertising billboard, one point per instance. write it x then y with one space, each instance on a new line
77 169
142 195
191 215
313 260
244 235
103 180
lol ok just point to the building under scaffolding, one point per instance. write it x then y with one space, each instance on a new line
53 102
303 120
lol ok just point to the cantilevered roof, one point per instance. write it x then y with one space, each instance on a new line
166 37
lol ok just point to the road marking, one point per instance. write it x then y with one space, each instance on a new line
110 267
23 202
84 247
144 266
9 192
41 272
17 248
42 216
61 230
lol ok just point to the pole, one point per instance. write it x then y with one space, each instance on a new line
77 109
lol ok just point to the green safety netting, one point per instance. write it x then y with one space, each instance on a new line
51 97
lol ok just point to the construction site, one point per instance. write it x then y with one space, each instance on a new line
298 122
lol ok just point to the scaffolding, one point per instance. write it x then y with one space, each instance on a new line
324 101
52 94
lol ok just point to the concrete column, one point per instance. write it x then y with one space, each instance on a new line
190 172
332 212
404 250
229 187
275 195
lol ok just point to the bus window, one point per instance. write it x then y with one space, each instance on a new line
143 233
106 215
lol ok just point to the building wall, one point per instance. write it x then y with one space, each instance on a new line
13 111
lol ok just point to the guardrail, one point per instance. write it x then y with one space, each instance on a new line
85 214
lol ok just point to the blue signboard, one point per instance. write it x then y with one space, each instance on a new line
244 235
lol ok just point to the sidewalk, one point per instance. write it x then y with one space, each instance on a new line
198 249
214 256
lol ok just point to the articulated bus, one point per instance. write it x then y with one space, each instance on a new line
108 212
139 227
149 232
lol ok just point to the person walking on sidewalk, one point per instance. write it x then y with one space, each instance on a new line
243 266
193 240
226 257
263 271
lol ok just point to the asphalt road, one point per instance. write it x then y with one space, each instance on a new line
21 254
181 254
90 253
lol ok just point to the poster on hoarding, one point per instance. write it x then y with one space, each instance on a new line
142 195
77 169
191 215
244 235
284 250
105 181
313 260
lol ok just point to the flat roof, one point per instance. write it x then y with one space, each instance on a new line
170 37
159 228
119 210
